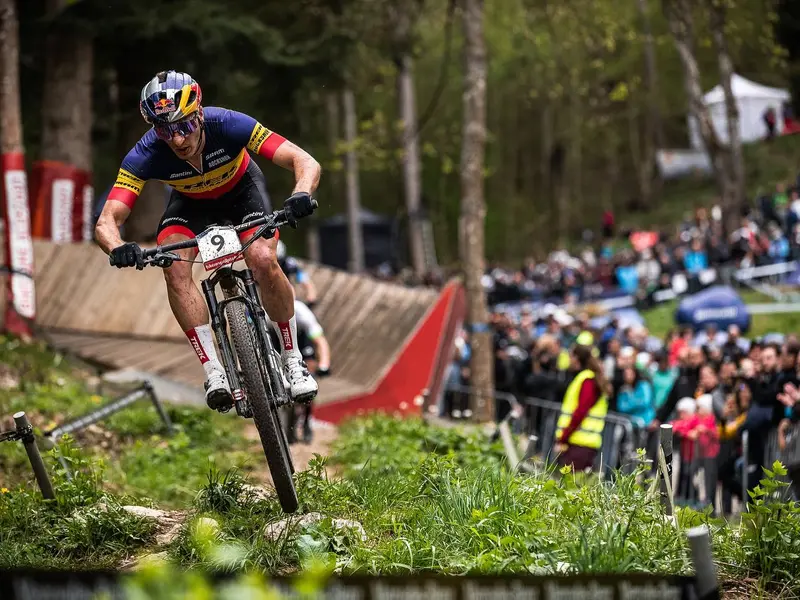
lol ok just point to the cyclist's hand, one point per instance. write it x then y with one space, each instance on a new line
127 255
297 206
323 372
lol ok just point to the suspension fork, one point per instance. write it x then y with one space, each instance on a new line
219 325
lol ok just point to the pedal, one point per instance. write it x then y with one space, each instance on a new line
218 399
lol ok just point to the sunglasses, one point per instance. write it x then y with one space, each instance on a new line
184 128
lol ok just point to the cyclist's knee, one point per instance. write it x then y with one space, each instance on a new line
178 275
262 258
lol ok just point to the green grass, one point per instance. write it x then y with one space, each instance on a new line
766 165
140 459
661 319
428 499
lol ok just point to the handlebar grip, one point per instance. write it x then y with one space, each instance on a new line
314 203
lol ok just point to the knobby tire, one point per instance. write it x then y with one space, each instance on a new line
262 401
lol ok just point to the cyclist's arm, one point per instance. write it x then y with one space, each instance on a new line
118 205
323 351
308 322
106 231
276 148
304 281
306 170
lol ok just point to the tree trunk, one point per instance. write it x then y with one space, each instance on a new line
473 208
355 237
679 17
653 139
335 182
570 199
643 156
732 203
402 15
656 123
17 250
412 171
10 112
67 105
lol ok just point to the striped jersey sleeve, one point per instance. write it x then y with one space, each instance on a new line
245 130
130 180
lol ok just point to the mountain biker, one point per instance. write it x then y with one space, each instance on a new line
295 273
202 154
317 353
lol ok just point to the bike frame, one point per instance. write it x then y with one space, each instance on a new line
227 278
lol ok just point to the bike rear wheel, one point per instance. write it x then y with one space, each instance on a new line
258 381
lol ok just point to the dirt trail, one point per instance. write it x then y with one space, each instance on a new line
324 436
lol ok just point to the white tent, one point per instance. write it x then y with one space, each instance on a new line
752 100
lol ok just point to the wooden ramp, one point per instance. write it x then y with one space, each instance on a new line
120 318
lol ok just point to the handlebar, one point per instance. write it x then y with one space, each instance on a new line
160 255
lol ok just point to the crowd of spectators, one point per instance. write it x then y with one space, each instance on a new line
711 385
639 262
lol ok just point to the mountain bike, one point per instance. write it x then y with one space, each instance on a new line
251 362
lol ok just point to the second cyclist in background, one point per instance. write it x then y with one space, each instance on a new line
295 273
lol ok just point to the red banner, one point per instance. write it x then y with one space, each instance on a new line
19 249
62 198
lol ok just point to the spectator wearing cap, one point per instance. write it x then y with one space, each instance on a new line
681 427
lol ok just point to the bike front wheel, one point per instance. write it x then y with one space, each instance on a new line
258 385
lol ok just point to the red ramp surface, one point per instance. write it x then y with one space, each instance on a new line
412 373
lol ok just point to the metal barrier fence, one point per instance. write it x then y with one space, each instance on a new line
538 419
745 472
145 391
24 432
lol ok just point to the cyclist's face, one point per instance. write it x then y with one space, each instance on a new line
184 143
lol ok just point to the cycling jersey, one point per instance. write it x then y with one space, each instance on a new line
228 136
306 321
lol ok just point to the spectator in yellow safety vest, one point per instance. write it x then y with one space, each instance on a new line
583 412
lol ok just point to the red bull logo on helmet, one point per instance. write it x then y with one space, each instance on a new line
164 105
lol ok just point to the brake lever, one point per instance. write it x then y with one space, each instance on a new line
163 260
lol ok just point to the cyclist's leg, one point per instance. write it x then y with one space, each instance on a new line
250 201
181 221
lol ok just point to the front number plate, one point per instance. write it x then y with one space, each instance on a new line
218 246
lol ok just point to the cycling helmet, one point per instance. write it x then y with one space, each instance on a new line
169 97
281 250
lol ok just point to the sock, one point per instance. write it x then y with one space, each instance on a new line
287 334
203 344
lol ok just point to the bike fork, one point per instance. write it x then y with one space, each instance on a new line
218 324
